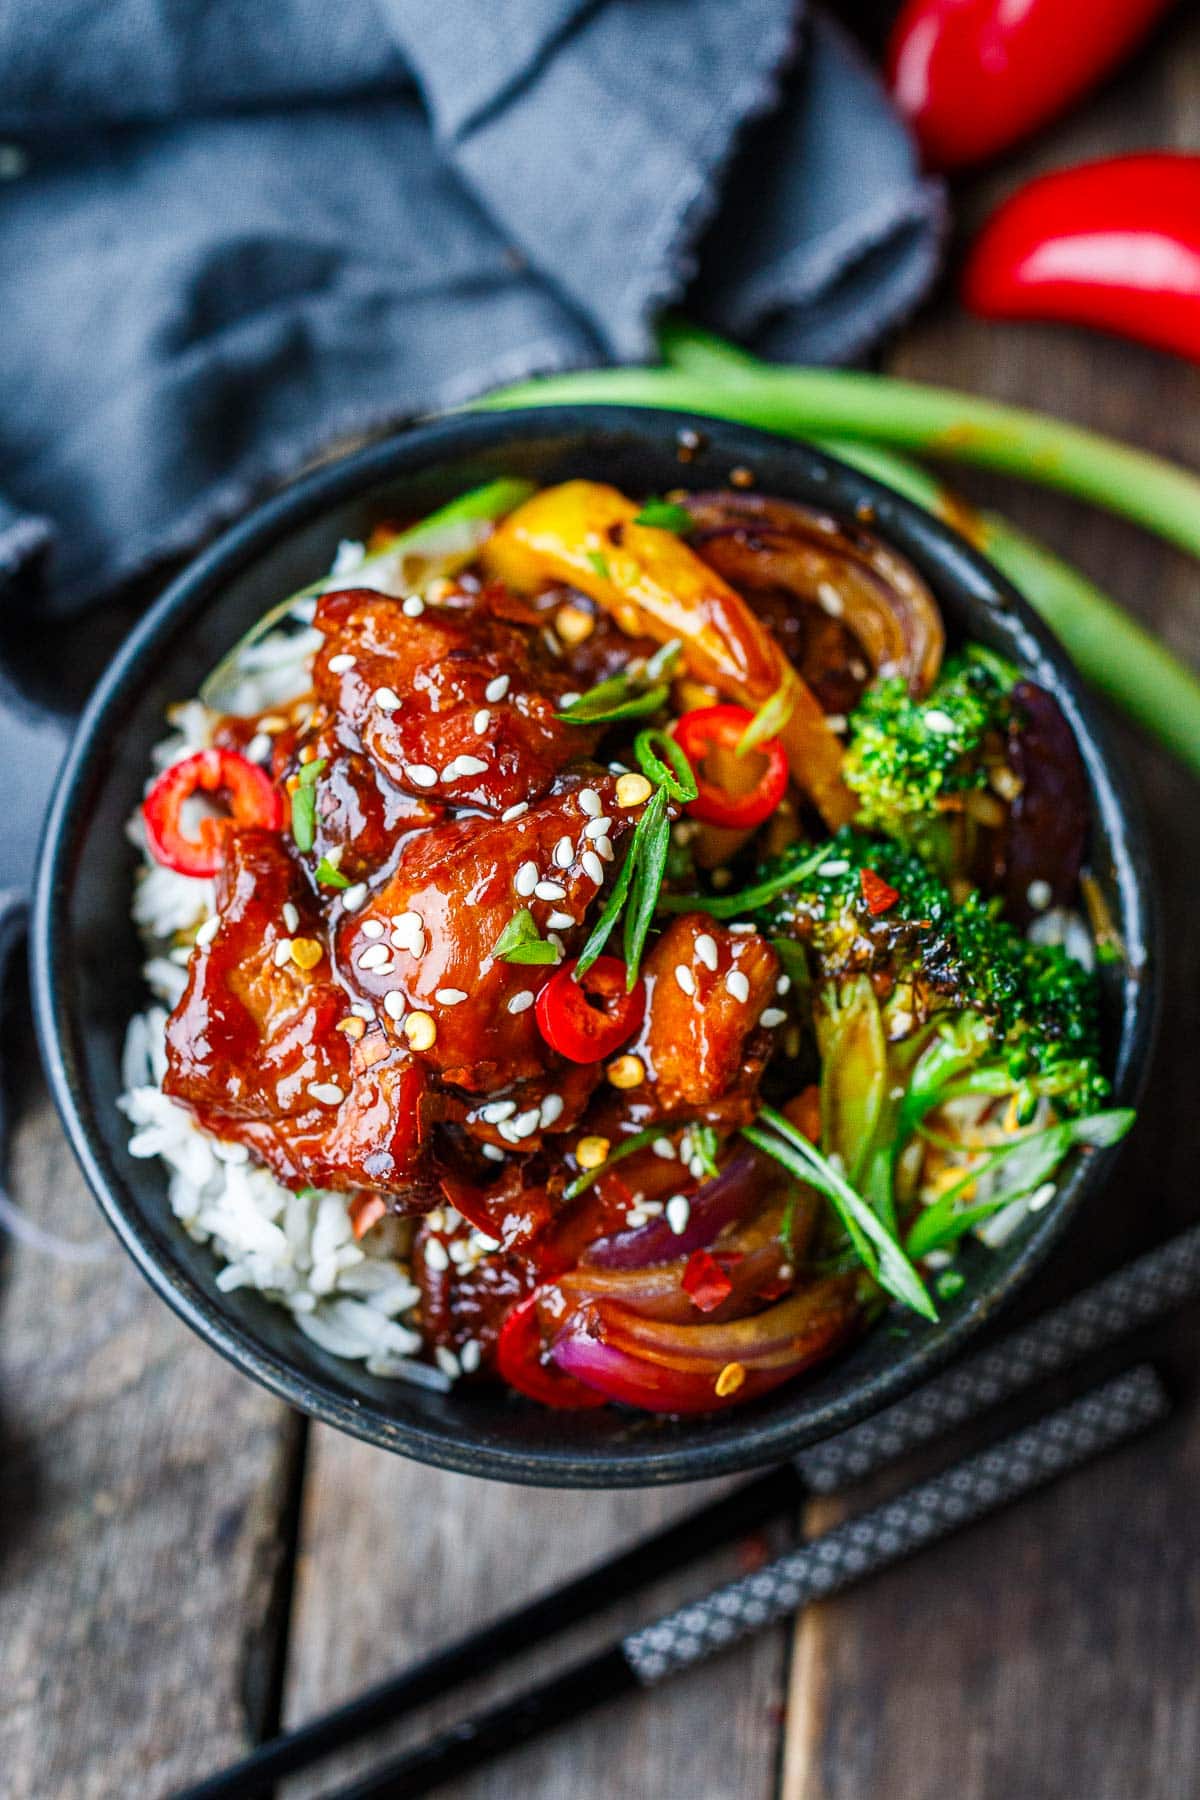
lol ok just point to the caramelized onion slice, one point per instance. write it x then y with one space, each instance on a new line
757 543
797 1331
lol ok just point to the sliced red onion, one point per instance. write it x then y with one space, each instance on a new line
643 1384
1048 820
715 1205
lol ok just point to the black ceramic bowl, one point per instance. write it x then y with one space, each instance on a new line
86 955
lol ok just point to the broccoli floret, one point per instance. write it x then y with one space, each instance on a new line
905 758
928 957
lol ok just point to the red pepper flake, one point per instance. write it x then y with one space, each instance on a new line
706 1281
877 893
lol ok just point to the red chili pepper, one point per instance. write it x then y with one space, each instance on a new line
519 1362
745 792
1113 244
705 1281
877 893
586 1019
366 1210
251 798
974 76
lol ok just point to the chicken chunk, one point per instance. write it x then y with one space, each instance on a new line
255 1049
423 949
453 706
707 992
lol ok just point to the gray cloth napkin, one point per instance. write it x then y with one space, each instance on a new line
234 233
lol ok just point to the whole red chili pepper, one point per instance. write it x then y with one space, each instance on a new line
1113 244
974 76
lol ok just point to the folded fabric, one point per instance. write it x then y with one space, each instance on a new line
234 236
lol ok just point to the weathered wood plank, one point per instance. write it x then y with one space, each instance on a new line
1051 1652
142 1485
396 1559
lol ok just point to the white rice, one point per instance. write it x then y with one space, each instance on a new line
353 1300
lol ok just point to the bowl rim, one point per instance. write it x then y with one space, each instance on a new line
764 1436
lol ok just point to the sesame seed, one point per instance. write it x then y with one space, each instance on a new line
526 1123
838 866
471 765
436 1255
627 1072
551 1110
679 1211
684 978
550 890
208 930
470 1355
421 775
450 996
1039 895
481 721
496 690
836 722
742 927
413 606
291 915
282 953
362 1009
604 848
706 950
564 853
493 1152
737 984
552 937
636 1217
354 897
632 790
327 1092
1042 1196
386 699
521 1002
272 723
783 985
340 663
663 1147
450 772
560 921
370 928
696 1167
514 812
830 600
259 747
408 926
590 802
373 957
497 1110
774 1015
597 827
937 720
447 1362
393 1004
420 1030
526 879
592 867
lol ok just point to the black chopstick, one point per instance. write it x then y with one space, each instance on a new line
1143 1290
969 1490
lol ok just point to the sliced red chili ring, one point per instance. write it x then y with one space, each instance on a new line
246 789
586 1019
519 1362
736 791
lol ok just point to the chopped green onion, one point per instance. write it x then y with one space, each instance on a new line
633 694
729 906
521 942
304 804
599 562
625 1148
675 773
767 722
329 875
665 515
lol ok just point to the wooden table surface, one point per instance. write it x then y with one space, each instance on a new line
184 1563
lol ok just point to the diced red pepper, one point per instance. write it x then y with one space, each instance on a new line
879 895
705 1281
586 1017
735 791
519 1362
245 788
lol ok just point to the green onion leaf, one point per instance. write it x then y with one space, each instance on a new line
664 515
731 906
877 1249
329 875
599 562
655 829
675 773
310 772
611 911
633 694
625 1148
521 942
767 722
